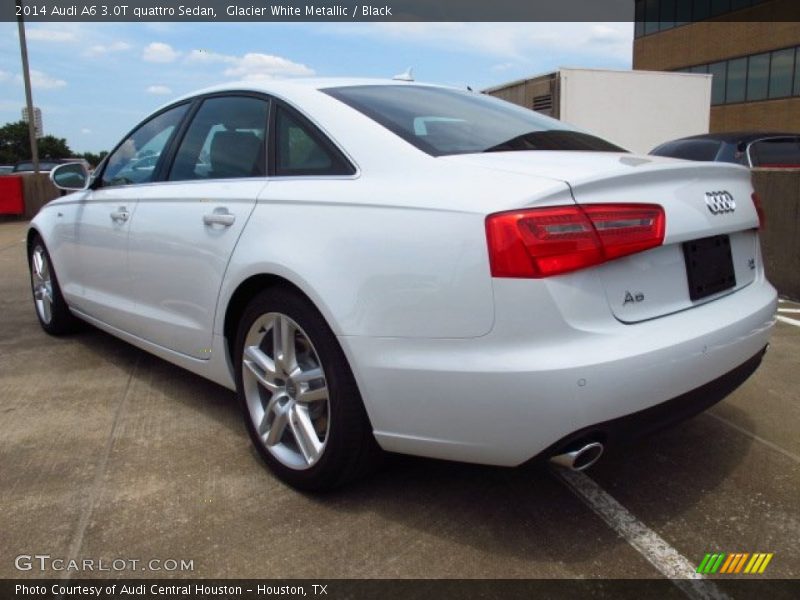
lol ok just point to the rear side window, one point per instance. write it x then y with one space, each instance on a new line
301 149
226 139
443 121
135 160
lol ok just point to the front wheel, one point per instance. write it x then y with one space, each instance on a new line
51 308
299 398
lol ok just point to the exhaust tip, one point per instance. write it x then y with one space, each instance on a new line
580 459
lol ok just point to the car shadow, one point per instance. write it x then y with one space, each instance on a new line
517 515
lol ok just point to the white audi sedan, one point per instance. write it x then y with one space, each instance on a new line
414 268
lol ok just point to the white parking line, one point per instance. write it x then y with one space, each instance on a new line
794 322
670 563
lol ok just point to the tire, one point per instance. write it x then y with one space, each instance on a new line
51 308
300 403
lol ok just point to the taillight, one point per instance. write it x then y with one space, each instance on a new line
540 242
762 218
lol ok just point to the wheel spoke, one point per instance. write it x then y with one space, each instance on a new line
283 345
307 376
37 263
313 395
304 433
261 366
46 308
279 422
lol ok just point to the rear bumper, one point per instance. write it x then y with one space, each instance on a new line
533 382
650 420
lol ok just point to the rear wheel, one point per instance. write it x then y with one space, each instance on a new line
299 398
51 309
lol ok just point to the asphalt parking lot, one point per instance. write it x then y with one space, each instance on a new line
108 452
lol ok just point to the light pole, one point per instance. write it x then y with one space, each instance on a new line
23 48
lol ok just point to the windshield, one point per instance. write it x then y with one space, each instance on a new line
443 121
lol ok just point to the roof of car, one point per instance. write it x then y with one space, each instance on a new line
737 136
276 86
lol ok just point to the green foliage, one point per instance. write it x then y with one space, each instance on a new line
15 146
94 158
53 147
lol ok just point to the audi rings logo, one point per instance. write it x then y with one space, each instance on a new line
720 202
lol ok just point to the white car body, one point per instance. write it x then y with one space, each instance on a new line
451 362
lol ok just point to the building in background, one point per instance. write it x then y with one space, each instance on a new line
37 120
637 110
749 47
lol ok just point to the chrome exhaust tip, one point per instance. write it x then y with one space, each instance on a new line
580 459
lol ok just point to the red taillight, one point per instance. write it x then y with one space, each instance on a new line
541 242
762 218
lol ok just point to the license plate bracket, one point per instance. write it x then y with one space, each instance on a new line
709 266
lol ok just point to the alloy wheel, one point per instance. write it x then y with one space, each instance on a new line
42 284
286 391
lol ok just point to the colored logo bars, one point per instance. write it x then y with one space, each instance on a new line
734 563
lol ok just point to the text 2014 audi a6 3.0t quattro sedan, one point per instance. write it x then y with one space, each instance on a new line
425 270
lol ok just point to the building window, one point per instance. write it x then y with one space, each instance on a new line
796 90
780 73
758 77
653 16
769 75
720 72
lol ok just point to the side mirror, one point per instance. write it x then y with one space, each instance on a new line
70 176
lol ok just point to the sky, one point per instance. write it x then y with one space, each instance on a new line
96 81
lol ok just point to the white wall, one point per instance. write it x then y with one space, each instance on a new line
636 109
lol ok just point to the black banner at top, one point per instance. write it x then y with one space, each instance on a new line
397 10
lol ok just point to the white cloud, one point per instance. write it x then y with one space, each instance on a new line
45 34
159 90
511 41
43 81
255 66
4 75
103 49
159 52
86 131
204 56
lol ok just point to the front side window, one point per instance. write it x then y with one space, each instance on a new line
135 160
227 138
443 121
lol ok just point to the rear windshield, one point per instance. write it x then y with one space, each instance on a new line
443 121
778 152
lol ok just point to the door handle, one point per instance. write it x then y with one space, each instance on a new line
219 218
120 215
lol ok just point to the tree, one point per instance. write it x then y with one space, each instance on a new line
15 145
94 158
53 147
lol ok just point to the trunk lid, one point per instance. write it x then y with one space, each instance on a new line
700 200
